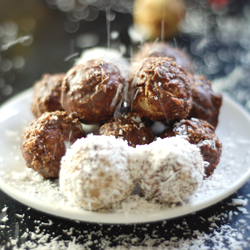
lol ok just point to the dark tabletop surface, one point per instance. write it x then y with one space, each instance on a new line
52 39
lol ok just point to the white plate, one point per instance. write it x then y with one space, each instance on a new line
233 170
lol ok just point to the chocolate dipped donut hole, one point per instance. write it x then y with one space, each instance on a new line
160 90
45 140
47 94
200 133
206 103
91 91
129 127
161 49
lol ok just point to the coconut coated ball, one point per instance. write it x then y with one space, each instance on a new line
94 172
107 55
171 171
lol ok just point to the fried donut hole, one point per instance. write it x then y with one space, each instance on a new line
94 172
161 49
200 133
206 103
172 170
45 140
160 89
47 94
128 127
91 91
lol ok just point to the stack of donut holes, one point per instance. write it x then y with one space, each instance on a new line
162 88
